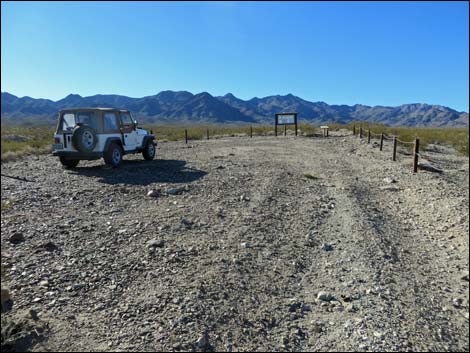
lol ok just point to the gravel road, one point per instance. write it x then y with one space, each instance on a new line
279 244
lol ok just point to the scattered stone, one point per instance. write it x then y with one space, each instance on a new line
154 193
155 243
318 326
187 223
33 315
78 286
294 306
16 238
430 168
48 246
351 308
44 283
327 247
245 245
177 191
457 302
389 180
203 341
325 296
378 334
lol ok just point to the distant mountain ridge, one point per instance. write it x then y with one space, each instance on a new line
185 107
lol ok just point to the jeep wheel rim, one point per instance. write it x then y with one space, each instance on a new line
87 139
151 149
116 156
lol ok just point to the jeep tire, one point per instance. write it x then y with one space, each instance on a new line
149 151
69 163
113 155
84 138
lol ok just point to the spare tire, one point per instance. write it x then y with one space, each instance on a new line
84 138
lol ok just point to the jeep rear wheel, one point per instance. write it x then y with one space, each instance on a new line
69 163
149 151
113 156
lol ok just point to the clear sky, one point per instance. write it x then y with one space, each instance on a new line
340 52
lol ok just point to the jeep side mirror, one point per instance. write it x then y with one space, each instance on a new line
135 122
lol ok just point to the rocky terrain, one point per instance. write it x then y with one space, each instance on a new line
239 244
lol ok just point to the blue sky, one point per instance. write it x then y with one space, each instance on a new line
340 52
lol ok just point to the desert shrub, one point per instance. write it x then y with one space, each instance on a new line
17 141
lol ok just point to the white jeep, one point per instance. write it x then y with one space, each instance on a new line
93 133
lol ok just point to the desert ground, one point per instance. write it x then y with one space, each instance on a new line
244 244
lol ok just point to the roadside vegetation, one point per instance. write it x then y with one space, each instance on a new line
17 141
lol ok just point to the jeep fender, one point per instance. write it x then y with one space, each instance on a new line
110 140
147 138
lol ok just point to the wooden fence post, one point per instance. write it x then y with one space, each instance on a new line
327 132
208 134
354 129
415 156
381 141
368 136
285 130
251 132
186 135
394 158
360 132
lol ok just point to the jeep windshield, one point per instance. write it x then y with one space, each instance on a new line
71 119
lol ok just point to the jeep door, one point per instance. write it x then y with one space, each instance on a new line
128 131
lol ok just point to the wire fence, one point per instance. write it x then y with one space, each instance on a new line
416 155
416 152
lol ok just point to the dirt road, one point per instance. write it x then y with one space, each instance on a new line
276 244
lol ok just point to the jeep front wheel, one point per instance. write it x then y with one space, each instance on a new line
149 151
68 163
113 156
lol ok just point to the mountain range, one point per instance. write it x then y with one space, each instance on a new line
185 107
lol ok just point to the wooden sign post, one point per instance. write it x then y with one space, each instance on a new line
415 156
